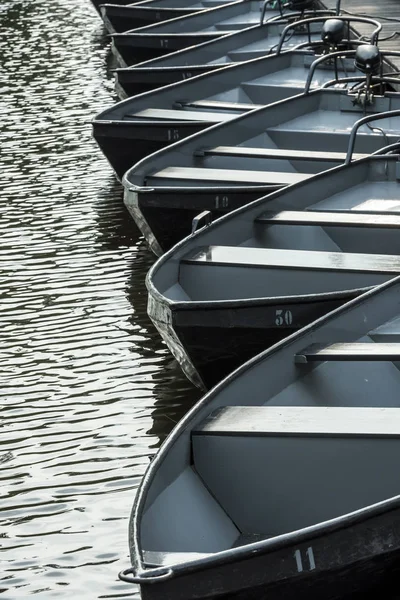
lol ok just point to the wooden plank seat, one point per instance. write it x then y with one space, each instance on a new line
162 114
285 153
229 175
216 105
326 218
300 421
293 259
351 351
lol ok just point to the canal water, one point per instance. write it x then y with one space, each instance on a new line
88 390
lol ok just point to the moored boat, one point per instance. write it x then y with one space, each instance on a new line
233 163
268 269
282 482
161 38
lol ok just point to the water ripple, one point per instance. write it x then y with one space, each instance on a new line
88 391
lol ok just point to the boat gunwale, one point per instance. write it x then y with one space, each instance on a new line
229 555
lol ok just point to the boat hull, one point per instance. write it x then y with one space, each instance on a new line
165 216
125 143
210 342
129 48
347 562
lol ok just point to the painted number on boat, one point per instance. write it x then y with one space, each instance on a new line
283 317
173 135
221 201
164 43
309 561
186 75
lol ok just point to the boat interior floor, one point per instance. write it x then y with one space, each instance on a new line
311 452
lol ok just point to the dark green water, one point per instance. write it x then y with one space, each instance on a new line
88 390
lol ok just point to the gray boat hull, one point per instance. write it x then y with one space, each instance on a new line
213 341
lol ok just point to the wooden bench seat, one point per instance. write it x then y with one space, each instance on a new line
300 421
353 351
217 104
229 175
327 218
285 153
162 114
294 259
